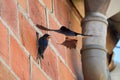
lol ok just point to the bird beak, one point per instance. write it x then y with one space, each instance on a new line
49 37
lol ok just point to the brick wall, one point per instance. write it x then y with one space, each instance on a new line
18 40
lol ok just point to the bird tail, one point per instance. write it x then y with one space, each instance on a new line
39 58
42 56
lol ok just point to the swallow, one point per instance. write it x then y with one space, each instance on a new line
42 45
70 42
63 30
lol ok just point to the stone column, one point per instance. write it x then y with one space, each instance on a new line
94 48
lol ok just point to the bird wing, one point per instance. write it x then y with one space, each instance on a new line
42 27
46 29
42 46
85 35
64 31
70 43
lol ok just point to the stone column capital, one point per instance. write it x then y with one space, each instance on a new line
95 16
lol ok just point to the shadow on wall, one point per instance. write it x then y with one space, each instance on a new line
75 61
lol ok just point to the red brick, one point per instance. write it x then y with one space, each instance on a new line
61 12
74 62
9 14
37 74
49 4
37 12
23 3
49 64
5 74
28 35
4 43
56 37
64 73
19 61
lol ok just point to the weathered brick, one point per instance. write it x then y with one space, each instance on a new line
74 62
18 60
23 3
28 35
64 73
57 37
9 14
37 12
61 12
4 43
37 74
49 64
5 74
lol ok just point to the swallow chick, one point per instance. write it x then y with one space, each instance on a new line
42 45
70 42
63 30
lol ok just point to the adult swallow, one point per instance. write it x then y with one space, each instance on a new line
70 42
42 45
63 30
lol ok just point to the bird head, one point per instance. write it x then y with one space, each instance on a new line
47 36
63 28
